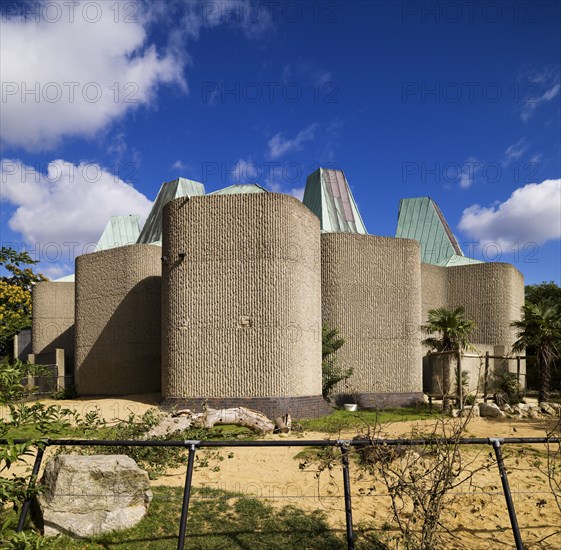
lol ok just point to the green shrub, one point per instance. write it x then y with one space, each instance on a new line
507 388
331 372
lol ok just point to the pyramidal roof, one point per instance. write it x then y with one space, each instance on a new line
421 219
119 231
181 187
329 197
240 188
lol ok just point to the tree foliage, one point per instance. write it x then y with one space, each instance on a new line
551 293
332 373
540 330
14 489
544 292
448 330
16 281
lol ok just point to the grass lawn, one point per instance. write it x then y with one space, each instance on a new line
220 520
336 421
345 420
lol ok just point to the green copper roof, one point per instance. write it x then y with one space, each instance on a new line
66 279
329 197
421 219
152 231
460 260
242 188
119 231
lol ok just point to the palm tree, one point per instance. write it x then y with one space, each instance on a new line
453 331
332 373
540 328
452 326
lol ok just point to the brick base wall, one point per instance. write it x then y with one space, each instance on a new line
297 407
380 400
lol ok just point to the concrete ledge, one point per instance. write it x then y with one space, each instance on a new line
380 400
298 407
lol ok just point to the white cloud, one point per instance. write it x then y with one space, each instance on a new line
305 71
297 192
516 150
118 145
187 18
538 88
74 76
179 165
324 78
246 171
279 146
469 168
67 204
531 214
536 158
55 270
276 187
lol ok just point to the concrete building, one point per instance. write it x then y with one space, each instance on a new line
118 330
241 303
222 298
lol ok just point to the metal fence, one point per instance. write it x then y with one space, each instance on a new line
343 445
489 366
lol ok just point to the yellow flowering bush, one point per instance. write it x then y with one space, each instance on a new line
16 281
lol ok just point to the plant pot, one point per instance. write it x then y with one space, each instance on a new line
351 407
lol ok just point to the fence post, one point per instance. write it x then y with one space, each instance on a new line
486 380
459 381
518 369
347 490
186 495
506 489
32 482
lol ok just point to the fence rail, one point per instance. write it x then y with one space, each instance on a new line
343 444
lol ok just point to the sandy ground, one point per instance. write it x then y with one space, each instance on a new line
476 517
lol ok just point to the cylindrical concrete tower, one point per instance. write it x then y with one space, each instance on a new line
492 294
371 293
241 304
118 321
53 317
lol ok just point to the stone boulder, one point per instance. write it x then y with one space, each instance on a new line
506 408
471 410
555 406
85 496
551 409
490 410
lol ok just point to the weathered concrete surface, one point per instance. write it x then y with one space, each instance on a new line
118 321
371 292
491 293
241 299
84 496
490 410
434 288
53 318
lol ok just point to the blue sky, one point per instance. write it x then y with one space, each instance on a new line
459 101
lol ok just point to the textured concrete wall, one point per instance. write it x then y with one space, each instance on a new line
434 288
371 292
118 321
241 311
53 318
492 294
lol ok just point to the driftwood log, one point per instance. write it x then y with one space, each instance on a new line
283 423
239 416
